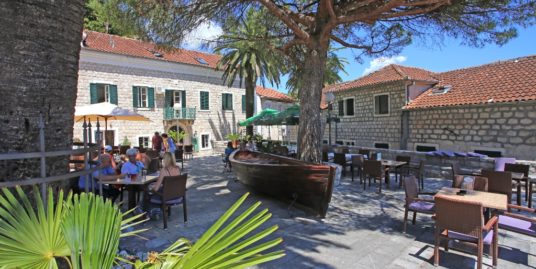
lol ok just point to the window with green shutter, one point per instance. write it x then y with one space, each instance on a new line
203 100
227 101
99 92
243 104
142 97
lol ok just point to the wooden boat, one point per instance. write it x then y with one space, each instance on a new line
309 185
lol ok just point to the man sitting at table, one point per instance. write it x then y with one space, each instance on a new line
133 166
105 172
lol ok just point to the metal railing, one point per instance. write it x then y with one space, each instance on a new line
185 113
43 180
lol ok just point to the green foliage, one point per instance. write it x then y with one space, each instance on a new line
82 229
126 142
232 137
257 138
226 244
106 16
177 136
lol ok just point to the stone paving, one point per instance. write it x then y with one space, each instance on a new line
363 229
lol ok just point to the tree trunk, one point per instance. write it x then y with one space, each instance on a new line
310 128
39 52
250 102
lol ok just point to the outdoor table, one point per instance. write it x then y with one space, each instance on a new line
518 177
487 199
388 164
131 186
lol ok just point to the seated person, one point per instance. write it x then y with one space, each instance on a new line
105 172
132 166
142 157
169 168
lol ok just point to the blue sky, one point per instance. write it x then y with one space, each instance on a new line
451 55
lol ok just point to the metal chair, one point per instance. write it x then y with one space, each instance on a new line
413 202
464 221
173 193
373 169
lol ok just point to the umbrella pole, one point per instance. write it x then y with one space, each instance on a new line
105 130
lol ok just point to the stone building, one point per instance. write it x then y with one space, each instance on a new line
176 90
488 109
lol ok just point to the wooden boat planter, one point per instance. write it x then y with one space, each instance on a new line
309 185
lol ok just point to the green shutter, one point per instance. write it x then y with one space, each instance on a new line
223 101
230 101
92 93
243 104
150 97
203 100
341 108
183 99
135 94
113 94
168 98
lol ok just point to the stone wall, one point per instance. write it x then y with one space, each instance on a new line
364 127
215 122
510 127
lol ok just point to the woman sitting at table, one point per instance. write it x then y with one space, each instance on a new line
169 168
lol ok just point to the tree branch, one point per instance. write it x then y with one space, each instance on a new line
285 18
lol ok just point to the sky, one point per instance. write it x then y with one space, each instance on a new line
450 55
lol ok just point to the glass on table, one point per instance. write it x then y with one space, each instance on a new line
468 183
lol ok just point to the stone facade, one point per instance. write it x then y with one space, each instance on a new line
126 72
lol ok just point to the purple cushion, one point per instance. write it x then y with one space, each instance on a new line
517 225
472 154
430 153
448 153
422 206
460 154
488 237
438 153
157 200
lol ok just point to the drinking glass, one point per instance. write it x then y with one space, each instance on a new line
468 183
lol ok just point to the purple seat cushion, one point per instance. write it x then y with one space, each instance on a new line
517 225
422 206
460 154
488 237
431 153
472 154
157 200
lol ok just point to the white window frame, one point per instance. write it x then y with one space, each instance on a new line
177 93
345 107
388 105
149 142
381 142
201 141
115 130
425 145
199 94
141 96
488 149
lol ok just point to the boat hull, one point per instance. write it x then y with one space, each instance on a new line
309 185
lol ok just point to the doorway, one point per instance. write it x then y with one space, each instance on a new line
174 128
109 137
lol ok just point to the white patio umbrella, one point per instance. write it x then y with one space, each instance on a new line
106 111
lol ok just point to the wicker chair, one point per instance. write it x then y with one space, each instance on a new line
520 168
179 156
519 223
480 183
372 169
340 159
499 182
173 193
357 165
123 149
154 165
464 221
365 152
413 202
189 151
419 173
402 171
152 153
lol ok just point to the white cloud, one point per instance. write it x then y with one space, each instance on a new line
199 36
378 63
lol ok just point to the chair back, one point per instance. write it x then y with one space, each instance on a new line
480 183
342 150
517 168
421 169
188 148
340 159
406 159
372 168
152 153
365 152
373 156
179 155
325 156
154 165
123 149
358 160
499 182
500 162
325 148
411 188
459 216
174 187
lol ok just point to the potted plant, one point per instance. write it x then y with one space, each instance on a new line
233 138
258 140
126 142
177 136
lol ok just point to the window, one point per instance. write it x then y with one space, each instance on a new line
243 104
100 92
142 97
203 100
489 152
205 140
346 107
381 145
143 141
345 142
425 147
177 97
325 142
381 104
227 101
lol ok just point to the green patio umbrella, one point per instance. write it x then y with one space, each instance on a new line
264 114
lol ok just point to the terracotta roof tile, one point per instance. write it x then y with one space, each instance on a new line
273 94
389 73
136 48
504 81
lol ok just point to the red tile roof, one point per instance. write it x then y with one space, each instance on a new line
136 48
504 81
273 95
389 73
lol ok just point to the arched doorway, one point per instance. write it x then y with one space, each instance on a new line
174 129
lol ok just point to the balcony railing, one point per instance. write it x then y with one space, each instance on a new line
185 113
